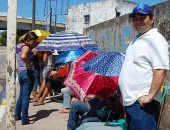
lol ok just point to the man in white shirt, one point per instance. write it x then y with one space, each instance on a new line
143 71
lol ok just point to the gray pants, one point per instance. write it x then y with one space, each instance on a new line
66 97
45 72
97 126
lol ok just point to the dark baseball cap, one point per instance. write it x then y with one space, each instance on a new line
142 9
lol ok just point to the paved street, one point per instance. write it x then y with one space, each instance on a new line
2 68
47 117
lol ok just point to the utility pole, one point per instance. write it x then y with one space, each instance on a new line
50 30
56 17
61 11
33 14
11 64
49 19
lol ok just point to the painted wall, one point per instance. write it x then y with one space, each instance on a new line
116 34
98 11
112 35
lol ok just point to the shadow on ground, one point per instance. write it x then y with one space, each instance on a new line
42 114
57 98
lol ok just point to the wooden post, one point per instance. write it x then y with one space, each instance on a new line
11 64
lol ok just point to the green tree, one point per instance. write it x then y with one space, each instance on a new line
3 37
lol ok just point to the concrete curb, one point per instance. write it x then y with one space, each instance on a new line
2 47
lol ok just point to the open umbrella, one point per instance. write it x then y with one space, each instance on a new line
86 84
88 55
79 61
72 55
69 56
108 64
65 41
40 33
89 83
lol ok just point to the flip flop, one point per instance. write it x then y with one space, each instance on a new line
27 123
33 100
38 104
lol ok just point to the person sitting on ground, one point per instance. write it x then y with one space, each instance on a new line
94 110
67 98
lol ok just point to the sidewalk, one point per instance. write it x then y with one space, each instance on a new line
47 117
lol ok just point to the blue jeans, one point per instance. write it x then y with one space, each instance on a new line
26 80
37 80
77 108
80 109
66 97
142 118
97 126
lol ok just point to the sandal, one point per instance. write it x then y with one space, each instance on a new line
27 123
33 100
38 104
65 110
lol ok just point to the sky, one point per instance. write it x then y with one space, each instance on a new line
25 7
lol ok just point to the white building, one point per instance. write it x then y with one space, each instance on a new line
85 15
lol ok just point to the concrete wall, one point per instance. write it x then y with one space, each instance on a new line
116 34
98 11
113 35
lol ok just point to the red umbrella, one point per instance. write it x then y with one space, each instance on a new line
85 84
88 55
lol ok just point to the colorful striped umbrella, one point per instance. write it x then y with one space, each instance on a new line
65 41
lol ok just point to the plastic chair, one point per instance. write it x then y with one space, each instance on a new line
162 103
164 93
121 122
